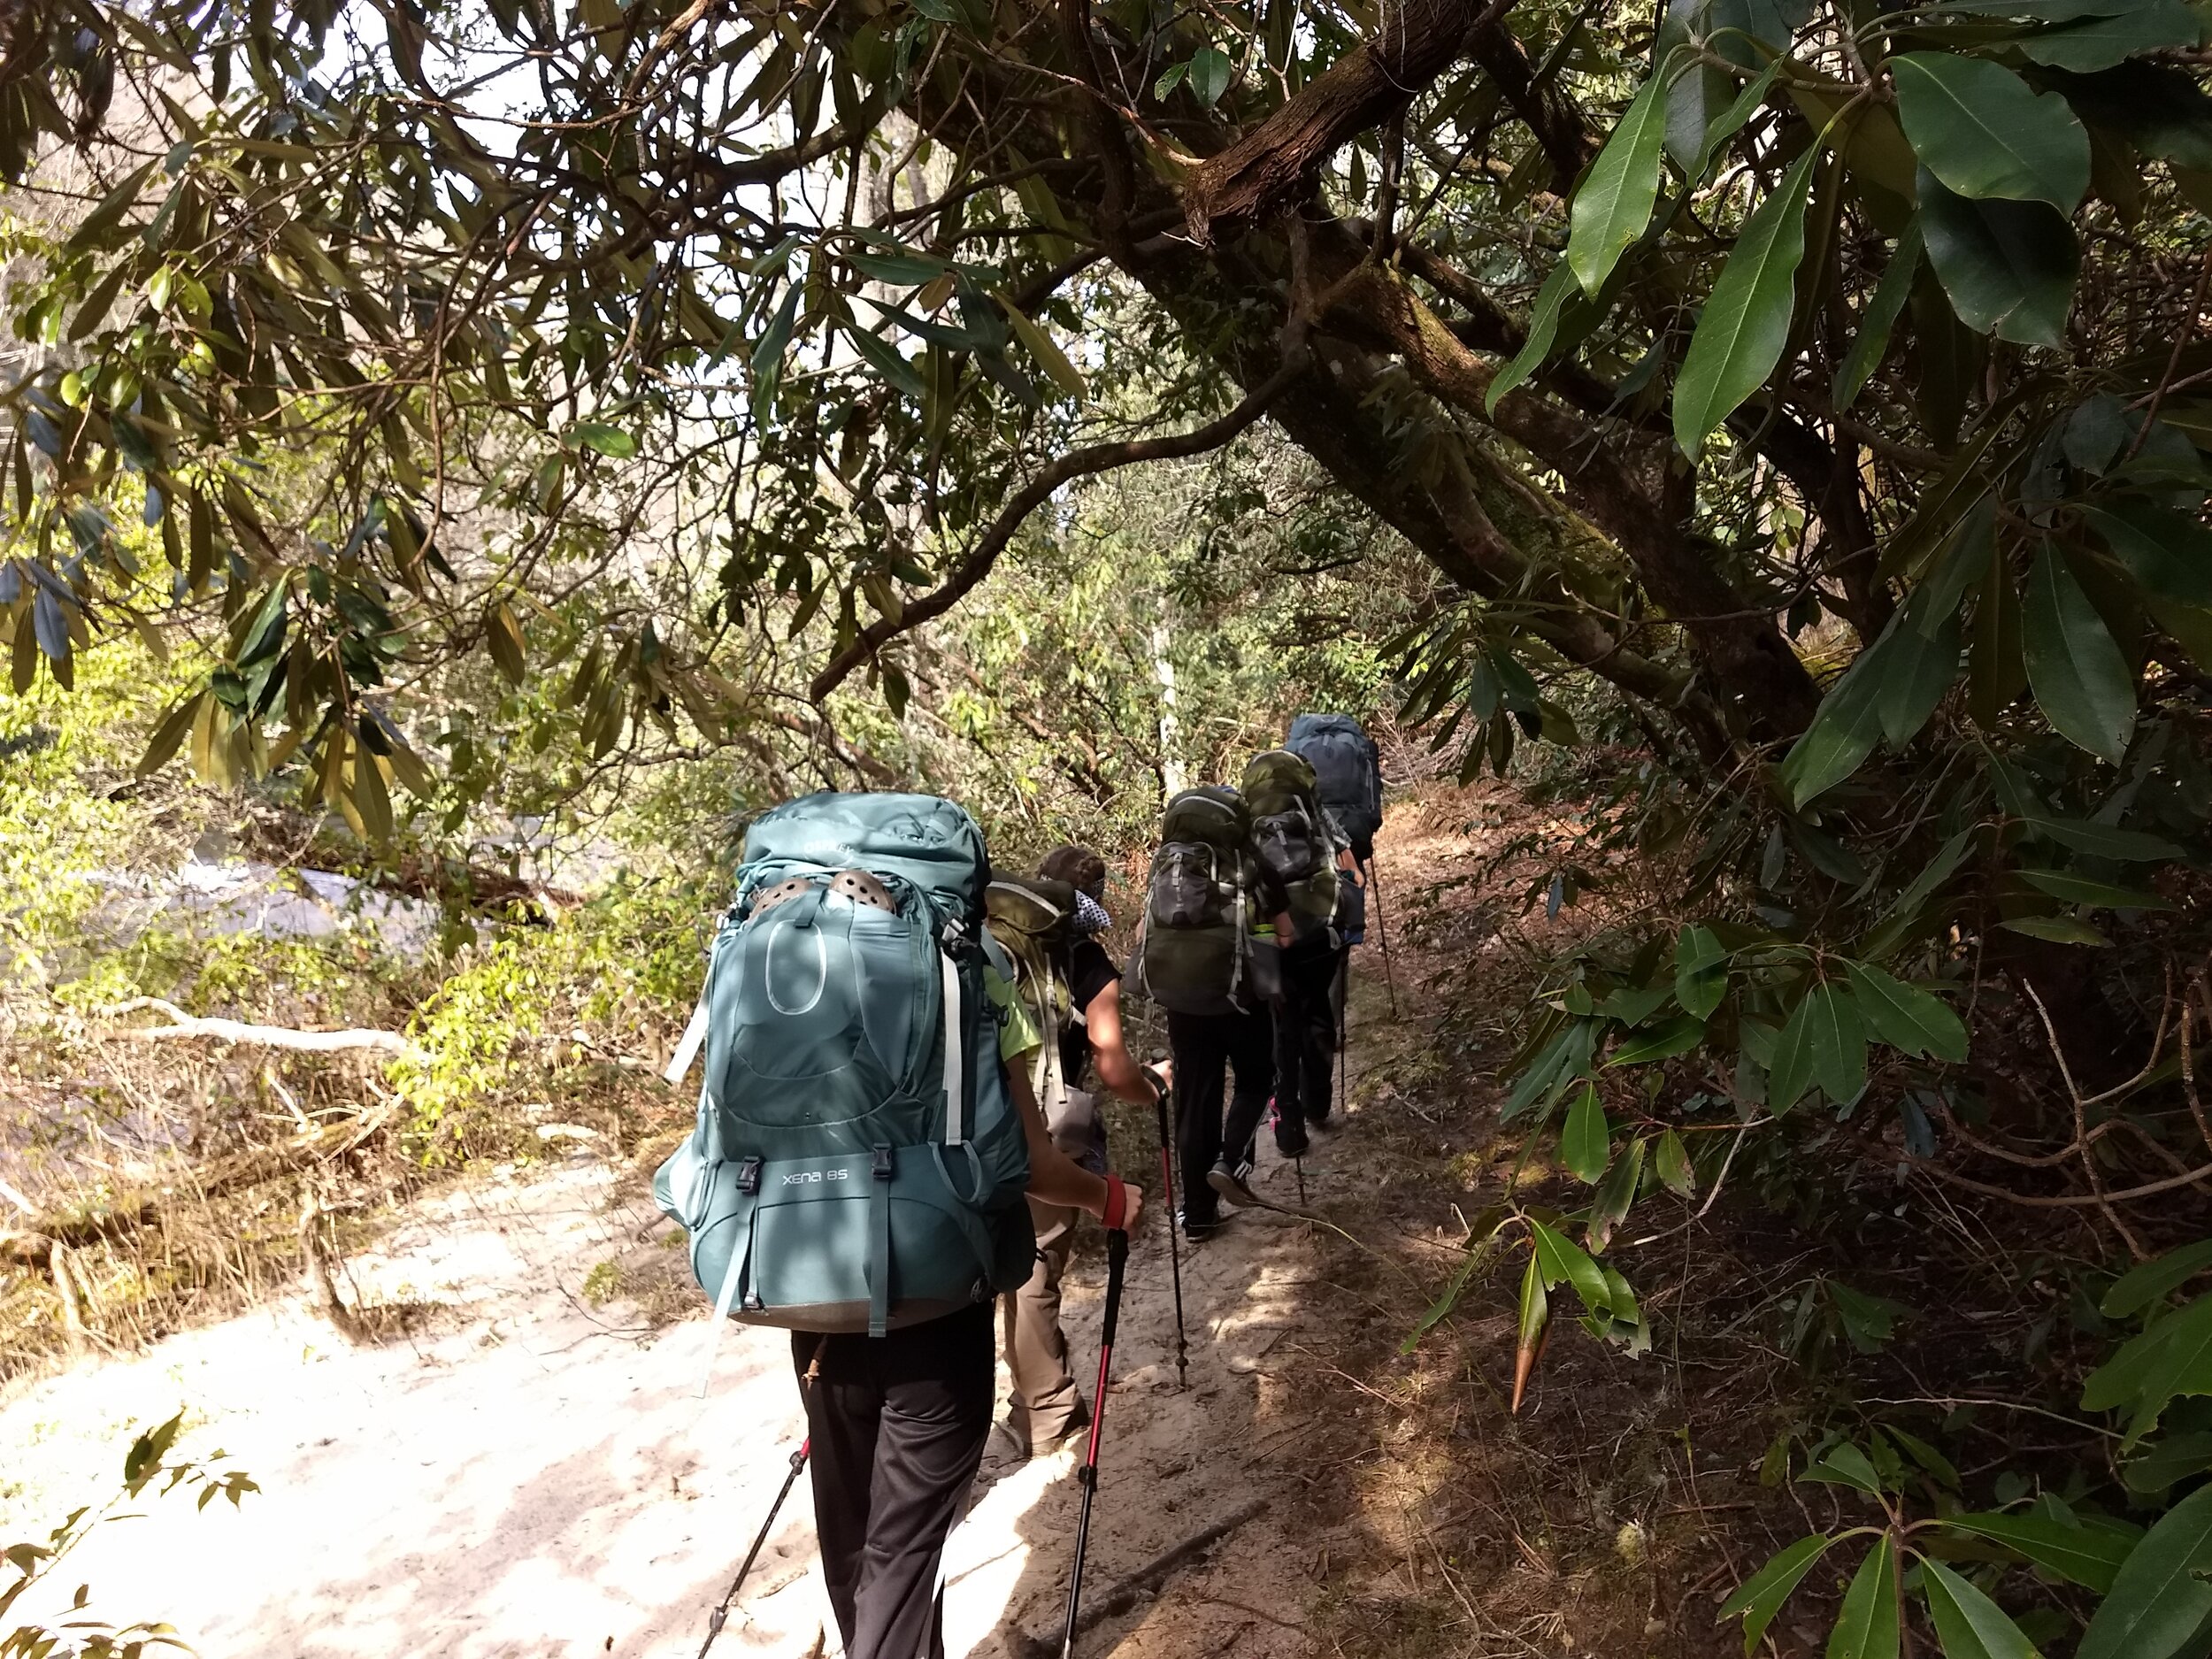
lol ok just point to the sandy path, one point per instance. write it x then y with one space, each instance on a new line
533 1476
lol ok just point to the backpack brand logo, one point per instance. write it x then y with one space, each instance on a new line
815 1178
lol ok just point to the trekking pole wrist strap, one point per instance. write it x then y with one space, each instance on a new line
1159 1085
1117 1209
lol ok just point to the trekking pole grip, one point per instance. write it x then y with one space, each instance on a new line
1117 1260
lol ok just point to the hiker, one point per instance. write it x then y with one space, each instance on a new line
1208 953
1050 924
1295 839
1349 784
898 1422
865 1138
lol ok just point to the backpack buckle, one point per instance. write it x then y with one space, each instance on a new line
749 1177
882 1166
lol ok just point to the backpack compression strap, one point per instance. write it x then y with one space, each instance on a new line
1243 945
881 1171
740 1253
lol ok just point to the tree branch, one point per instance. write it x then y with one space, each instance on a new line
1627 491
184 1025
1102 458
1272 166
1535 95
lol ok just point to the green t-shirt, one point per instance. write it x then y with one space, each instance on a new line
1018 1033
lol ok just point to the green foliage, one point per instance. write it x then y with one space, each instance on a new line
148 1466
628 958
1913 1559
66 814
1746 322
1614 204
2153 1598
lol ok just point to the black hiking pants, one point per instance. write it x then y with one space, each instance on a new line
897 1424
1203 1045
1305 1042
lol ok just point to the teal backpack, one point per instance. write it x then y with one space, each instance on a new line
857 1162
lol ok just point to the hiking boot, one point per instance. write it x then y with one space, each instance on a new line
1291 1141
1197 1229
1007 1448
1229 1180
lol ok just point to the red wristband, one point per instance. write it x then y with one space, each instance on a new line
1116 1205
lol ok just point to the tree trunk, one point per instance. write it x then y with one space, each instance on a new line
1173 779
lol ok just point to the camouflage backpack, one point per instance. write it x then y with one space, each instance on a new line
1291 835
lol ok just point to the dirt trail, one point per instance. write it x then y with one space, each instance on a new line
530 1474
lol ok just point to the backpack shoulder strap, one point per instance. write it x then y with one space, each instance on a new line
955 1046
687 1048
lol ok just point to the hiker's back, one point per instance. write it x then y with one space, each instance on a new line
1347 774
857 1162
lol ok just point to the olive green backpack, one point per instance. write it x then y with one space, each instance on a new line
1196 952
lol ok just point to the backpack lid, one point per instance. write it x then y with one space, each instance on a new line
1306 726
1210 814
921 839
1035 907
1277 780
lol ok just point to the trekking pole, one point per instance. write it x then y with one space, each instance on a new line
1117 1257
1339 993
720 1617
1174 1245
1382 930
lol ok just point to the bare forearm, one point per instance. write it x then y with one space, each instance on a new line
1056 1179
1118 1070
1109 1051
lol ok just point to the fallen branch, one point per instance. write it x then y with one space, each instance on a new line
72 1305
317 1253
1132 1589
2067 1200
190 1025
32 1245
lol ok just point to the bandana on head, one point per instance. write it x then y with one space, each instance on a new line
1090 915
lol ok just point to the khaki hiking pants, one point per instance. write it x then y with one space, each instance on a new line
1046 1406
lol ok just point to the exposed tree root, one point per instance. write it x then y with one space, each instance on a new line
1139 1584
